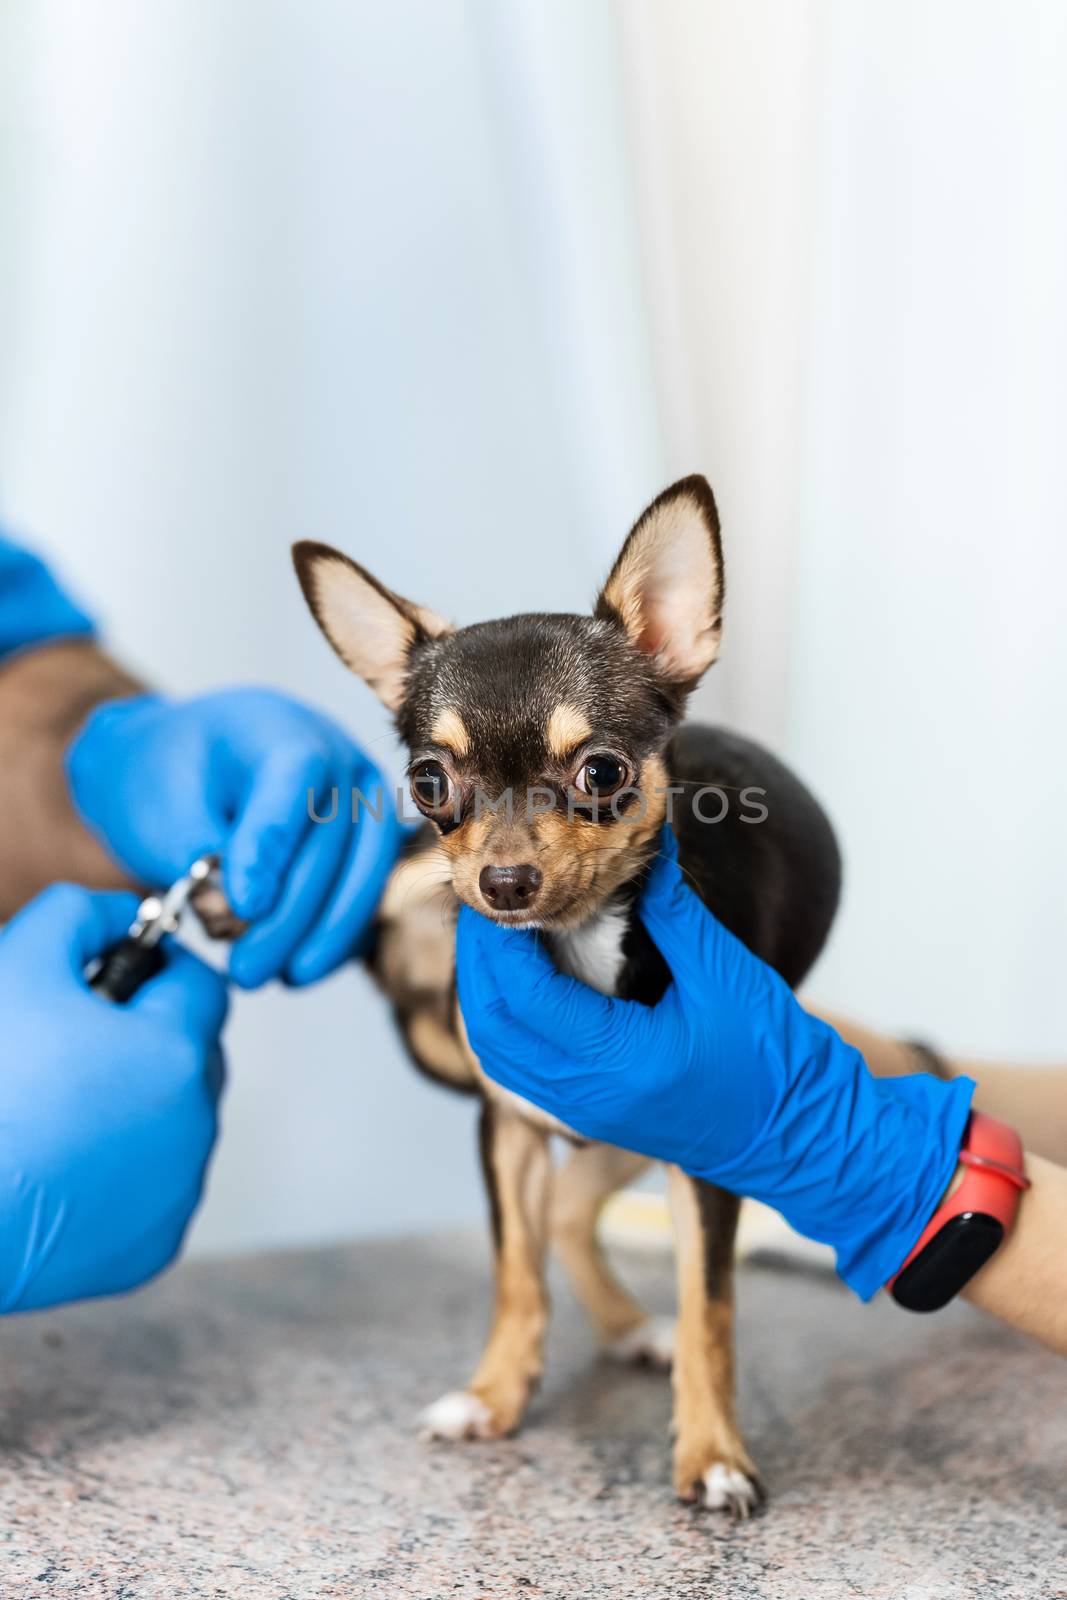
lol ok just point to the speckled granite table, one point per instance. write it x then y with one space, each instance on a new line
244 1429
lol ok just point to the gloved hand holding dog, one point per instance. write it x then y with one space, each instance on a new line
728 1077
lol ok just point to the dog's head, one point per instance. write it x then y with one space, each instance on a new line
536 743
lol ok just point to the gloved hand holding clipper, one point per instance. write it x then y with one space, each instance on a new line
728 1077
108 1112
244 773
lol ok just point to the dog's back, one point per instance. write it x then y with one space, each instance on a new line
770 869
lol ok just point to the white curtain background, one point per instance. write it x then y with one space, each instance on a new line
854 224
459 286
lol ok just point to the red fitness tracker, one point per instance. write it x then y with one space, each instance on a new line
970 1223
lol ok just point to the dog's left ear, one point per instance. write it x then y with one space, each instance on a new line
666 588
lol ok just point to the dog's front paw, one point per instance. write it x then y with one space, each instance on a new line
216 915
719 1485
649 1344
724 1488
457 1415
490 1412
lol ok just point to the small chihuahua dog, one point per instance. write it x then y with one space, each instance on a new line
574 722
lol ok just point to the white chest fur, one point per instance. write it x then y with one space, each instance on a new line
593 952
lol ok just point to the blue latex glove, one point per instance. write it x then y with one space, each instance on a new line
727 1076
163 783
33 608
107 1113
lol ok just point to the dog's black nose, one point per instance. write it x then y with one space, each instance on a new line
509 888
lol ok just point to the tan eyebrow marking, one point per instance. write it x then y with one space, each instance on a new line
450 729
566 727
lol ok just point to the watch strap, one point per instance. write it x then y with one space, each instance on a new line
970 1222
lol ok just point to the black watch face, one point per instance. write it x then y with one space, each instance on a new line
948 1262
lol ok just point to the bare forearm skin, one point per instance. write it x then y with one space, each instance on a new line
45 695
1025 1282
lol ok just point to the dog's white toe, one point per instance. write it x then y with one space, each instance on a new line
652 1342
728 1489
457 1415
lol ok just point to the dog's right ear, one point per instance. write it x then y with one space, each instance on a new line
373 630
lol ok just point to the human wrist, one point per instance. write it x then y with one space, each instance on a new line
926 1122
46 696
92 760
856 1163
101 729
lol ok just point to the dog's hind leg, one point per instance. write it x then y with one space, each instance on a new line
586 1179
515 1157
711 1464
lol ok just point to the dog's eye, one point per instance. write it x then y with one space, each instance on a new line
602 775
431 787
